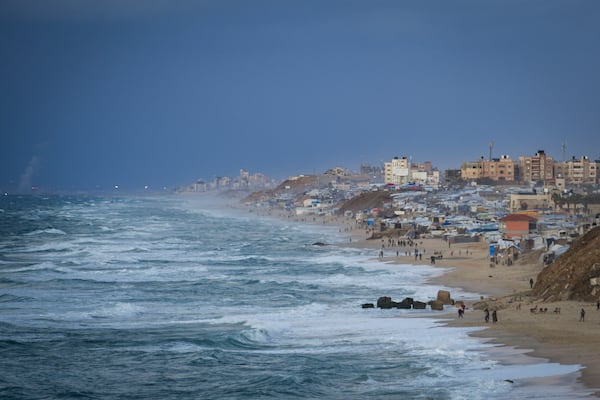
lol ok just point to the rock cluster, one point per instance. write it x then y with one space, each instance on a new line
386 302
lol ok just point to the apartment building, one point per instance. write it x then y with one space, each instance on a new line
397 171
497 169
471 170
577 171
536 168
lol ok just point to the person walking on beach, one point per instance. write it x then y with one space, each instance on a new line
598 305
487 315
531 283
582 315
494 317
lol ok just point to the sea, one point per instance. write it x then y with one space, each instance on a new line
183 297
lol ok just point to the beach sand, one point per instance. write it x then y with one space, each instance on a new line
556 337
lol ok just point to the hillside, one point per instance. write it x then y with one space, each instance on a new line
365 201
568 278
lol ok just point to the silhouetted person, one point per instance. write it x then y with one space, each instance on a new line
494 317
582 315
531 283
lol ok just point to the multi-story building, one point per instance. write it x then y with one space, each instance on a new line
424 174
397 171
537 168
471 170
452 176
577 171
220 182
424 166
497 169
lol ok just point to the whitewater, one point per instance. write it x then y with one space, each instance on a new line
173 297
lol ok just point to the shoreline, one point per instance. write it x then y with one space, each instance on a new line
551 337
555 337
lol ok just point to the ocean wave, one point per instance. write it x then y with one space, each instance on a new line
8 298
48 248
136 250
245 305
46 266
48 231
250 339
118 310
224 259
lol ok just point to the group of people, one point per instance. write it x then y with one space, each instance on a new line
487 316
402 243
494 314
461 313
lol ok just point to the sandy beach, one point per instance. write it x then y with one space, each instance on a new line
556 335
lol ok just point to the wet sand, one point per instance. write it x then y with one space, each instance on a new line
555 336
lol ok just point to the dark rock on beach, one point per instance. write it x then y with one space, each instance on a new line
436 305
385 302
419 305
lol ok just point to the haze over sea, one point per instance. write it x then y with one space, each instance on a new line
174 298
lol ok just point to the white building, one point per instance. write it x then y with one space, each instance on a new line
397 171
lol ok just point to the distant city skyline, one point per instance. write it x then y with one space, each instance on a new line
159 93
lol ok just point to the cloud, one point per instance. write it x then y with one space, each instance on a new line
26 179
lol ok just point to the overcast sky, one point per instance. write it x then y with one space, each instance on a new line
161 93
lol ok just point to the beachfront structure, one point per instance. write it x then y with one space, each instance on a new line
527 201
310 206
537 168
577 171
397 171
496 169
517 226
